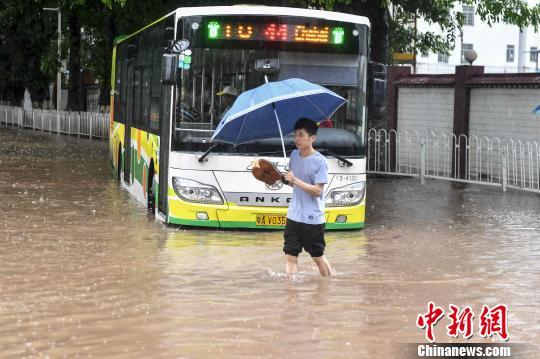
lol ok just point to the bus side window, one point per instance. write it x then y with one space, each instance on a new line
155 91
118 116
145 71
146 77
158 43
123 89
137 97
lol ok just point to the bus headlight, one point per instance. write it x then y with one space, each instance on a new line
349 195
193 191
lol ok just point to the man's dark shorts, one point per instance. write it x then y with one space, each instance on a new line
302 235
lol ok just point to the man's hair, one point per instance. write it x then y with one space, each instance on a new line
307 124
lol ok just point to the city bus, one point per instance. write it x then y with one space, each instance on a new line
168 94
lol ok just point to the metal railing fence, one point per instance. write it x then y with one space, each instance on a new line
87 124
505 162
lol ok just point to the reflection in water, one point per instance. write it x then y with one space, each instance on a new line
85 271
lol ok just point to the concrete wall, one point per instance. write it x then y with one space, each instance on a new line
494 112
426 109
481 110
422 111
505 112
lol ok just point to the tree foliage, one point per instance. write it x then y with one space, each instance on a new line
28 47
448 16
24 37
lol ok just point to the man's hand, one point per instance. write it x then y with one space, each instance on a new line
313 189
289 176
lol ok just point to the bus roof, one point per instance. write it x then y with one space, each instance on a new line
254 10
270 10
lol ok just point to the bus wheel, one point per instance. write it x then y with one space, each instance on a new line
119 166
150 189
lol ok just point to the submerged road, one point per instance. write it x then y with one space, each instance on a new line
85 271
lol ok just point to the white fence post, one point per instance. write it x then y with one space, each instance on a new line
93 126
504 174
423 163
90 125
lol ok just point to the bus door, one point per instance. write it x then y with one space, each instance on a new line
129 120
164 147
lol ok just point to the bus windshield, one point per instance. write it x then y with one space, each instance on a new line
217 72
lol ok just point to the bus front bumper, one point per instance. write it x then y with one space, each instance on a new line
233 216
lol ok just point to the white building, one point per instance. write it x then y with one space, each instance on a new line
501 48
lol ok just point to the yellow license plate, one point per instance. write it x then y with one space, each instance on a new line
270 220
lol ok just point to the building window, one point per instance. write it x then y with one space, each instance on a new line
534 54
468 15
442 58
509 53
465 47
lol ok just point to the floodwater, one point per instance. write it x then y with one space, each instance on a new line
85 272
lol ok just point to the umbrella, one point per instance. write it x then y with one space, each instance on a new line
537 110
272 109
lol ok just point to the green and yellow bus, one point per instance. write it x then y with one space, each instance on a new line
166 101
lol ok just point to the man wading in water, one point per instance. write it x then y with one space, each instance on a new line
305 218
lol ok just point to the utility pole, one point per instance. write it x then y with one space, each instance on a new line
59 73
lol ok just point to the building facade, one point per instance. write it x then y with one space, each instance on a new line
501 48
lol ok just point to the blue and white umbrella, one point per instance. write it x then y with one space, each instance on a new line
272 109
537 110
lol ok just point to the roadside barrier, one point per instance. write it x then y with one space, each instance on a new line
504 162
86 124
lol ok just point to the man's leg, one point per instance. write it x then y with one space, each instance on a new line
324 266
291 265
315 245
291 247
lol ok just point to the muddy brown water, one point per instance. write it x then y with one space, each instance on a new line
85 272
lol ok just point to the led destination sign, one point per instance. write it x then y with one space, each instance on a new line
281 33
272 31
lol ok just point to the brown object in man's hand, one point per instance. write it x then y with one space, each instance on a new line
266 172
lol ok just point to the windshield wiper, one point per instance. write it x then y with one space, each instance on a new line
212 147
324 150
273 153
330 153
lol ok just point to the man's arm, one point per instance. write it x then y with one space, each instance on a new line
313 189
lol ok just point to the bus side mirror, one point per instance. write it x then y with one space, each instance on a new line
169 64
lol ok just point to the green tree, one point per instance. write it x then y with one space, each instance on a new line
84 52
25 37
28 53
104 21
73 10
392 21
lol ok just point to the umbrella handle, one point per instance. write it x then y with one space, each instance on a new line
284 180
